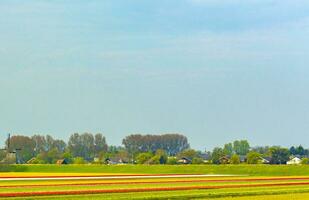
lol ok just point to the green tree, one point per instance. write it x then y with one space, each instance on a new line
79 160
217 153
235 159
228 149
241 147
23 146
172 161
142 158
279 155
197 161
188 153
154 160
305 161
253 157
162 156
68 157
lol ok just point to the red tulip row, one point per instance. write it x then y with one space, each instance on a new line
161 181
79 192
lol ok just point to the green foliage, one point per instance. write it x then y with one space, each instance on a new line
228 149
171 143
253 157
26 146
197 161
305 161
36 161
79 160
279 155
171 161
217 153
86 145
235 159
154 160
188 153
2 154
142 158
68 156
162 156
241 147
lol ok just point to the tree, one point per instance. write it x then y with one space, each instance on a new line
79 160
60 145
2 154
217 154
100 143
241 147
172 161
68 157
293 151
40 143
279 155
26 146
235 159
142 158
162 156
86 145
171 143
253 157
228 149
305 161
197 161
188 153
263 150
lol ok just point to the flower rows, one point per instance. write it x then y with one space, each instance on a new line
80 192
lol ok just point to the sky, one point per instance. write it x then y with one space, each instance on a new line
215 71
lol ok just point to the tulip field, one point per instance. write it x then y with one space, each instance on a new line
106 185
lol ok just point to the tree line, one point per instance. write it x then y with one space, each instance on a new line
88 147
139 149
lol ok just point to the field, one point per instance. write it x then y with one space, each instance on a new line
154 182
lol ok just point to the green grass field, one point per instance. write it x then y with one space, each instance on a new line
252 170
254 182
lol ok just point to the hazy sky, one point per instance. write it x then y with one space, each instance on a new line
214 70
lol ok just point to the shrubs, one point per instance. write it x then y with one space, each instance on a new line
253 157
79 160
305 161
142 158
235 159
197 161
172 161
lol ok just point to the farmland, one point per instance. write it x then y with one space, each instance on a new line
154 182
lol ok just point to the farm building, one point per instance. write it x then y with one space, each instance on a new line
184 160
265 160
113 161
294 161
62 162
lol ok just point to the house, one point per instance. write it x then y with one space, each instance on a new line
224 160
184 160
113 161
32 160
62 162
294 161
265 160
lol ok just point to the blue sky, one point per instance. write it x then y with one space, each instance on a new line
215 71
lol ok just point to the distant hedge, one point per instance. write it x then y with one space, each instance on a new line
12 168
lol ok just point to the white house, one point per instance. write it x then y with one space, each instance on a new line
294 161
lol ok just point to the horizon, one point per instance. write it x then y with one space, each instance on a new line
213 71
